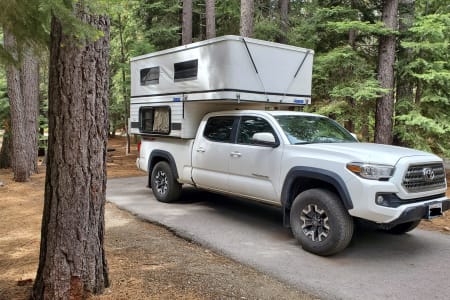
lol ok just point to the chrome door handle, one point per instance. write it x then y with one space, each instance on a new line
201 149
235 154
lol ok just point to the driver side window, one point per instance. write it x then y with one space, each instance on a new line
249 126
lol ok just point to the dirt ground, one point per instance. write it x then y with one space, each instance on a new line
145 261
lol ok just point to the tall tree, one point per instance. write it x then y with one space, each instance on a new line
386 60
210 19
247 12
123 61
186 28
23 92
284 20
72 260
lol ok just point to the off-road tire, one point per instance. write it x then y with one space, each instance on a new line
403 228
164 185
320 222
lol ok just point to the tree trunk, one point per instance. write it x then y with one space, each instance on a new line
210 19
126 102
186 28
386 60
247 11
72 262
5 152
284 20
23 93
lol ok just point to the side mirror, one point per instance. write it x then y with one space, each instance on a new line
265 139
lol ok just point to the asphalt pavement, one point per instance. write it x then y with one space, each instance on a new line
375 265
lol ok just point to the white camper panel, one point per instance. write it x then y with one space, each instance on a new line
228 72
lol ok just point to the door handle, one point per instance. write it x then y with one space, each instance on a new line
201 149
235 154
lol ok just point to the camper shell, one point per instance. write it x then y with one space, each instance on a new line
172 90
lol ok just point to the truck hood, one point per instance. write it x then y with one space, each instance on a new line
369 153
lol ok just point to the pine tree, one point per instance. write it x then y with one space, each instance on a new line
247 12
72 260
386 60
210 19
186 27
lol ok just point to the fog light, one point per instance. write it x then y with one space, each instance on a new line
379 200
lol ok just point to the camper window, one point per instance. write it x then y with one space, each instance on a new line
186 70
150 76
155 120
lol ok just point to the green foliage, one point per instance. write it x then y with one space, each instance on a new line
267 29
227 17
128 39
160 21
363 27
428 115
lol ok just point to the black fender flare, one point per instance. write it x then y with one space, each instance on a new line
158 155
312 173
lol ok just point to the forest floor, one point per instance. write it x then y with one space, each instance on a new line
145 261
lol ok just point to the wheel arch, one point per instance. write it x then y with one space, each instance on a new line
160 155
300 179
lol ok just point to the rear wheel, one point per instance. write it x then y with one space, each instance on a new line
165 187
404 227
320 222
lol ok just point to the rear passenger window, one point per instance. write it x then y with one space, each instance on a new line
219 129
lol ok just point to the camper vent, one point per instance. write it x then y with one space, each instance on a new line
150 76
186 70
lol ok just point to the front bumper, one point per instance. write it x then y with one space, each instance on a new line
416 213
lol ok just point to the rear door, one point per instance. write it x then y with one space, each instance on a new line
211 153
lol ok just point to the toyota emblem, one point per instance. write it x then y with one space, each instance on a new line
428 174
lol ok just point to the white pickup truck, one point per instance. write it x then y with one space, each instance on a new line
310 166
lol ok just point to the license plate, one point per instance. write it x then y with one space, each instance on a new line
434 210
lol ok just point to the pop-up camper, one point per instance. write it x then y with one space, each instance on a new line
172 90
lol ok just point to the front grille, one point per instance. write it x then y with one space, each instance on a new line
421 178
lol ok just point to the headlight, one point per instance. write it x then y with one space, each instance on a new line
371 171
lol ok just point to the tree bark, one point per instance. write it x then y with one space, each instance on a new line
284 20
72 262
210 19
186 28
23 92
247 11
126 102
386 60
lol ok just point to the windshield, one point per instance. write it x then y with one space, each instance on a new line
313 129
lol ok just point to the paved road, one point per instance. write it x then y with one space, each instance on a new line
375 266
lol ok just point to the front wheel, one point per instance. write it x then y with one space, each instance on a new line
320 222
165 187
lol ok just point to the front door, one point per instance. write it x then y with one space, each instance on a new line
254 169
